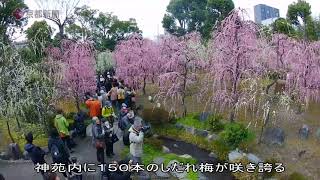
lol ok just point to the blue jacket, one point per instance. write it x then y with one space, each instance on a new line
35 153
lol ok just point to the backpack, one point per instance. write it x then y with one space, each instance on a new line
55 152
125 138
121 94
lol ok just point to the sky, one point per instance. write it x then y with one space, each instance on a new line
149 13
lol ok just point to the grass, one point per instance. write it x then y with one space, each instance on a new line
190 120
41 139
151 152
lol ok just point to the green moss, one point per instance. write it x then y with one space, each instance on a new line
192 175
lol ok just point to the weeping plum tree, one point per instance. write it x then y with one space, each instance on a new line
232 63
181 58
12 85
77 74
104 61
136 61
303 80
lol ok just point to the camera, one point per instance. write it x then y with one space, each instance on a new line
145 128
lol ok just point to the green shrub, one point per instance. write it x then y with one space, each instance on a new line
215 124
221 149
246 175
157 116
297 176
190 120
234 134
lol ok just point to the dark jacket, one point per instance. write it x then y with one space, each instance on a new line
62 149
35 153
98 133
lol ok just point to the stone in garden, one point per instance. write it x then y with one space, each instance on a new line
161 174
4 156
165 149
89 130
155 135
274 136
304 132
202 176
213 155
202 133
144 175
212 137
158 160
253 158
204 116
181 174
186 156
179 126
234 155
318 133
26 155
190 130
14 151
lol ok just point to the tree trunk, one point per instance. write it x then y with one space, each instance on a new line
232 114
144 86
78 103
61 31
266 120
9 132
18 123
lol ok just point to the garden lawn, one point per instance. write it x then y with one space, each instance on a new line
151 152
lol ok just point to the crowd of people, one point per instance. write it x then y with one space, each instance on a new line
112 110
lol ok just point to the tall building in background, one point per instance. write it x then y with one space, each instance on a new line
263 12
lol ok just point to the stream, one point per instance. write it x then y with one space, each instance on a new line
199 154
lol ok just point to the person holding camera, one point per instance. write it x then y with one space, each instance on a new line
136 140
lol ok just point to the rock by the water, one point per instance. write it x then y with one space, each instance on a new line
204 116
161 174
89 130
4 156
165 149
179 126
202 133
190 130
212 137
304 132
253 158
201 176
181 174
186 156
144 176
234 155
212 155
26 155
318 133
274 136
175 145
14 151
155 136
158 160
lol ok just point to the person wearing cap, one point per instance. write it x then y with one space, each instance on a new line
124 110
126 121
136 140
113 95
94 106
108 113
35 153
98 135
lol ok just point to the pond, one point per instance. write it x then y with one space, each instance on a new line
181 148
